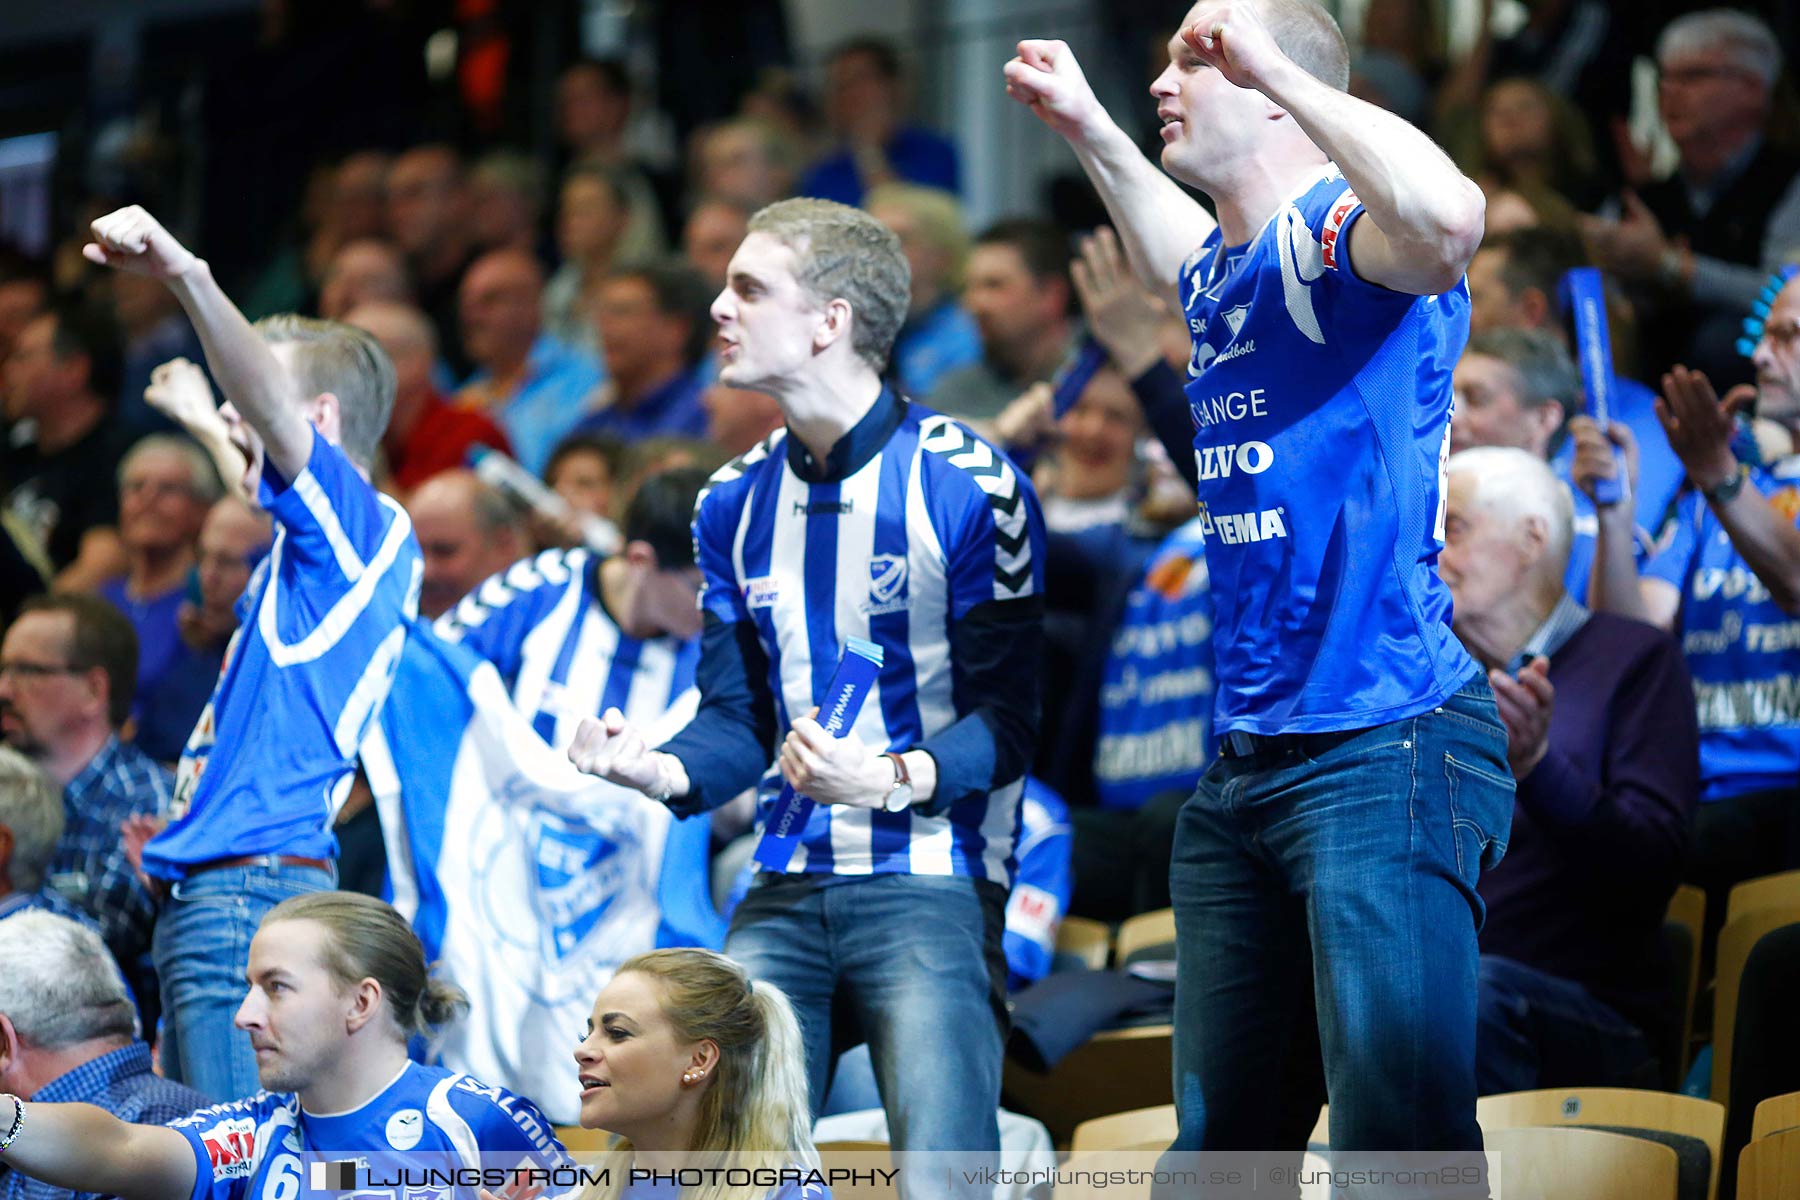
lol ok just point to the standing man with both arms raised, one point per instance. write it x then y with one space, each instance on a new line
1333 847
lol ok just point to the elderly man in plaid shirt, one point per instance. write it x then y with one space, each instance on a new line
68 666
67 1035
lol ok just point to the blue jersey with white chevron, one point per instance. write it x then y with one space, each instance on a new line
267 1148
934 524
543 625
1742 649
323 622
1321 406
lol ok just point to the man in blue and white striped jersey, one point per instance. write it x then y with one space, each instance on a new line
271 760
574 634
870 517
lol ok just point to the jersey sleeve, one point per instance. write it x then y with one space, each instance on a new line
223 1140
494 619
716 515
335 522
1317 245
1673 558
988 522
508 1126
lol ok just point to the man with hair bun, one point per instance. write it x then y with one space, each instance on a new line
338 984
271 759
1323 874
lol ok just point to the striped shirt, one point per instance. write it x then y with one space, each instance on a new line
544 626
324 620
914 534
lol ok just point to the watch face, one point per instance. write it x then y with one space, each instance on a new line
899 798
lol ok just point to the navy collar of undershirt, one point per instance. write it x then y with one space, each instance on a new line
850 453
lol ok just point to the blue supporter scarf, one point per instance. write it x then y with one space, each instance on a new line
1584 297
850 685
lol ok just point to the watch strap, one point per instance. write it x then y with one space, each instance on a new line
1726 492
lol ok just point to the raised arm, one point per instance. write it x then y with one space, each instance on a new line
1159 223
1699 426
242 363
179 391
1615 585
1424 218
87 1149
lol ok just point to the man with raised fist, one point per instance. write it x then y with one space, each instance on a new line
272 757
1362 784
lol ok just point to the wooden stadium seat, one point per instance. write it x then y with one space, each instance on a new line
1683 928
1777 1114
1084 940
1687 907
1114 1071
1563 1163
1146 931
1694 1129
1735 943
1769 1168
1763 892
1139 1129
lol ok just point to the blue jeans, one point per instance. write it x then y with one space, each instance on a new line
1324 887
202 949
912 964
1537 1030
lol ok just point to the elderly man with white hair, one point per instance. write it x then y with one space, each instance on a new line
1603 745
68 1034
1702 240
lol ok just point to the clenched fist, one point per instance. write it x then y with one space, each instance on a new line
133 240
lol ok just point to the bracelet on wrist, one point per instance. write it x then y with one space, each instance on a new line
665 790
18 1122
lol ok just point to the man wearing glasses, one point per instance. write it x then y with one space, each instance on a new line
68 670
1699 244
1727 581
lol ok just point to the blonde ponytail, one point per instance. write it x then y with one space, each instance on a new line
755 1112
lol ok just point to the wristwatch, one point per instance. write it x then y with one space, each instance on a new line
901 794
1726 492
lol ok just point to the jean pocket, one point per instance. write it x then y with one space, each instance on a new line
1481 807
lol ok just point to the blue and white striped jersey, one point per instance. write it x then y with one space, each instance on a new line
922 538
323 622
544 626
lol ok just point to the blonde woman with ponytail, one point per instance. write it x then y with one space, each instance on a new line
692 1064
338 984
